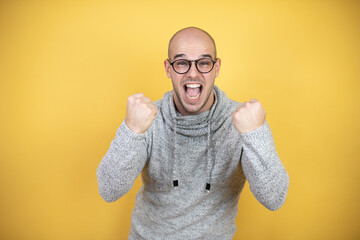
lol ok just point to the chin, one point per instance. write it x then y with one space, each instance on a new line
193 109
192 98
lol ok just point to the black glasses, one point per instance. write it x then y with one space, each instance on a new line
182 66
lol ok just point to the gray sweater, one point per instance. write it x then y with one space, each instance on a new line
193 171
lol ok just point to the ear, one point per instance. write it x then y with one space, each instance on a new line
167 67
217 67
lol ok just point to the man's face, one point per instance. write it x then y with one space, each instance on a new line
193 91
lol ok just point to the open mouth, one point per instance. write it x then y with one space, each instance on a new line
193 91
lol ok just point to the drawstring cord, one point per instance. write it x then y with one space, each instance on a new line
209 163
175 181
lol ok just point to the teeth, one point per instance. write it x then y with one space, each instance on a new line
194 85
196 97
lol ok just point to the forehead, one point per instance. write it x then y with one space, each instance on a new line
191 45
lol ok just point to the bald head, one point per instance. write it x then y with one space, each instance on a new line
190 34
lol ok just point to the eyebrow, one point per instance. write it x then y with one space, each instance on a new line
181 55
206 55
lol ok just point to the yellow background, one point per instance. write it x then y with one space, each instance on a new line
67 68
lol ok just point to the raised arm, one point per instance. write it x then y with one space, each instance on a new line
127 154
262 167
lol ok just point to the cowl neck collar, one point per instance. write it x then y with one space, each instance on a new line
195 125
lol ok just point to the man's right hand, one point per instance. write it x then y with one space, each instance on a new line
140 113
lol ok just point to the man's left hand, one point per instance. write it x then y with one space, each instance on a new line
249 116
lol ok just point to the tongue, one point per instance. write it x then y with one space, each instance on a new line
192 92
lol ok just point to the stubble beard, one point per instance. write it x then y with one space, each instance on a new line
181 101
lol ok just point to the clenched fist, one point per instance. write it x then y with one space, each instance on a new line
249 116
140 113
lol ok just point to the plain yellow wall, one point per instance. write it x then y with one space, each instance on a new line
67 68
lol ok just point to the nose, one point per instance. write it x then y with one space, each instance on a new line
193 72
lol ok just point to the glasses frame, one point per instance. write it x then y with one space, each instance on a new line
190 64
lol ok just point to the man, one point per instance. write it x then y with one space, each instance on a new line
195 149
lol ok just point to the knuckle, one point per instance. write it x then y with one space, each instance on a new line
237 114
149 111
241 110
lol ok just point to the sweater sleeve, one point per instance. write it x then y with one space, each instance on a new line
267 176
121 164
